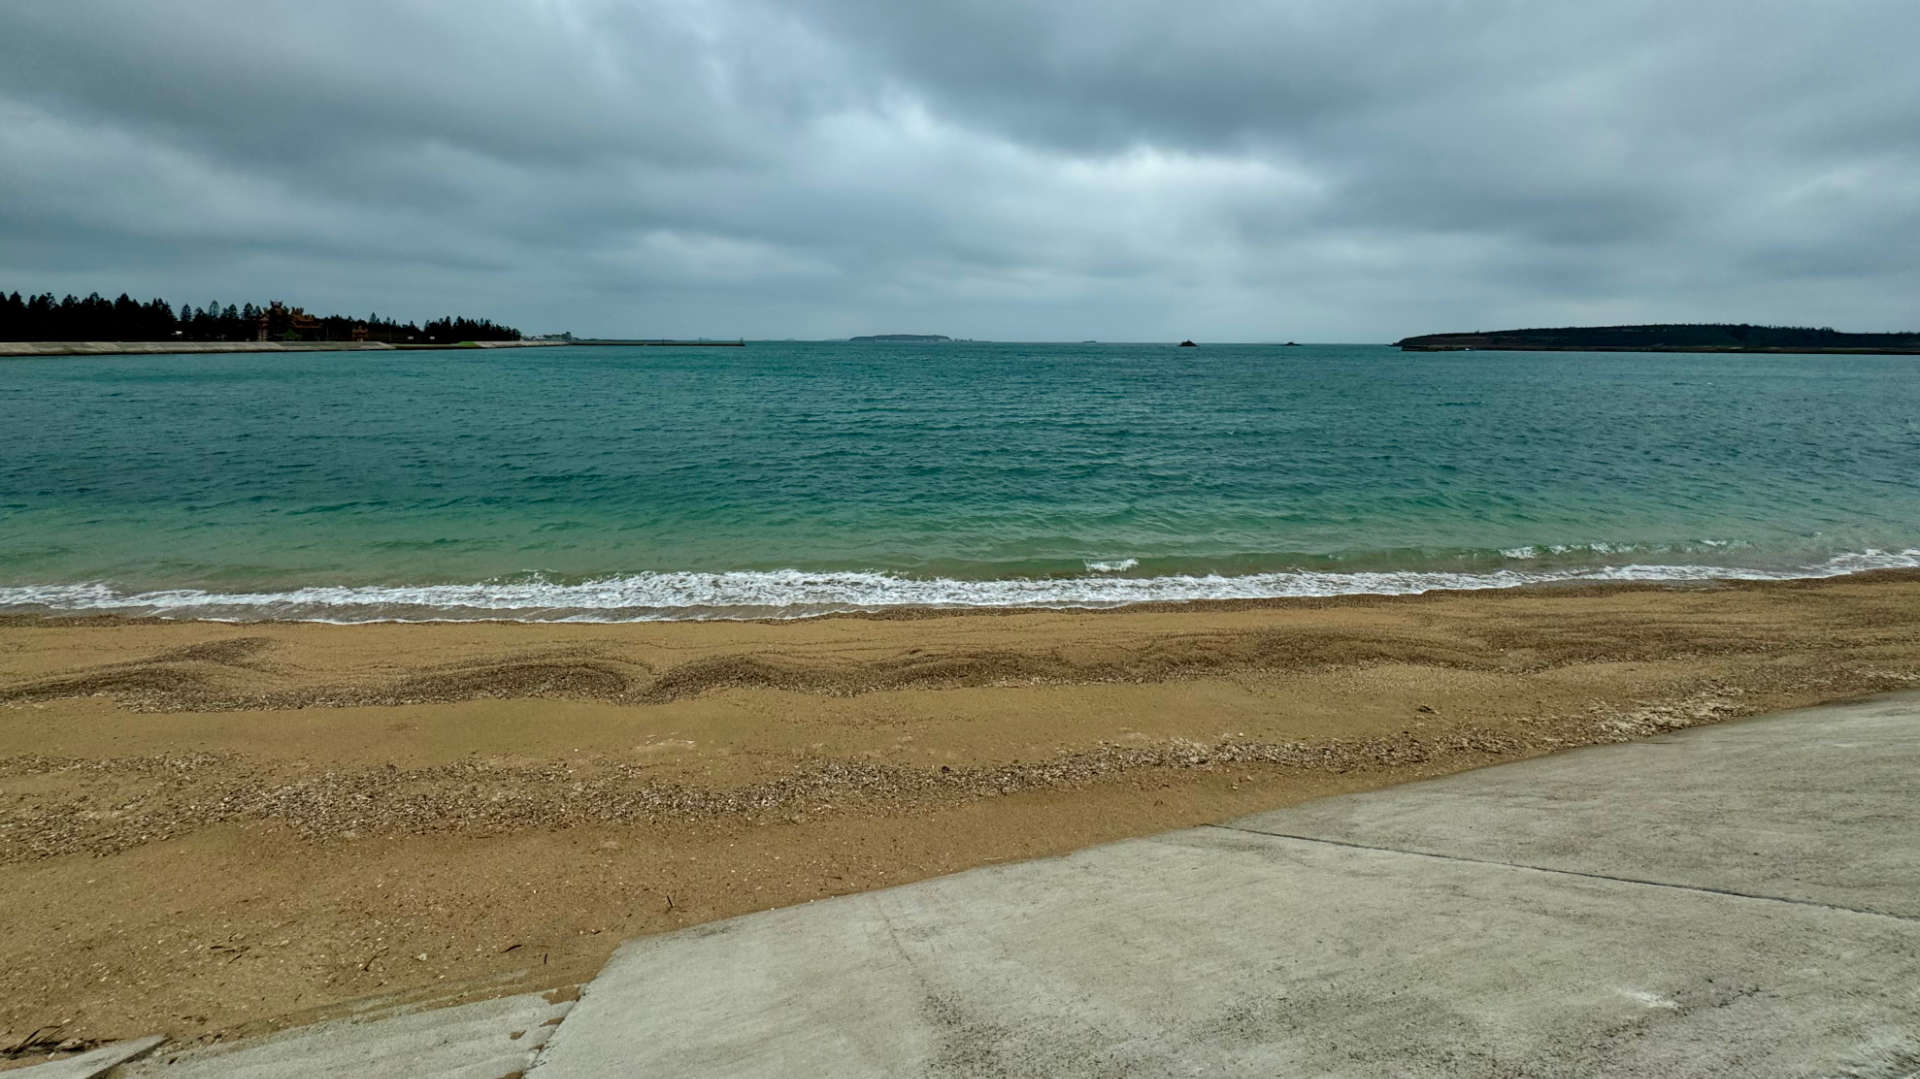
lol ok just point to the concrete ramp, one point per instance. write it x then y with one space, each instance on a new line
1737 900
491 1039
1820 806
92 1063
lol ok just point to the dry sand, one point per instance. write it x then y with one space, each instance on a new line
210 830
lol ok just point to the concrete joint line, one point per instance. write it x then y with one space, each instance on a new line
1569 873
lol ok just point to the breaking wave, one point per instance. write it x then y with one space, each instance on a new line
645 597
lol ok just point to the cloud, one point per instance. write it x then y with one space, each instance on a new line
1350 170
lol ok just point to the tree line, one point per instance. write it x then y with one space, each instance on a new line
95 318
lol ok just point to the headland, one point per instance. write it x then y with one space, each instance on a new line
1670 337
170 348
41 325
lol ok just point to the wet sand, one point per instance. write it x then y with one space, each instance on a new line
214 829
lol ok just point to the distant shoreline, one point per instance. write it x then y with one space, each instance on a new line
1728 351
149 348
655 342
1712 337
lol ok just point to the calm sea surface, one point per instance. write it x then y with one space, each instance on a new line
791 478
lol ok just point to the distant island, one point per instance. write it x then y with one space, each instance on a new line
1670 337
902 337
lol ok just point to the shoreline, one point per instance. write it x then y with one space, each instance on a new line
1570 585
211 829
29 349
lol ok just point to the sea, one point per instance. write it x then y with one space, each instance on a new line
788 479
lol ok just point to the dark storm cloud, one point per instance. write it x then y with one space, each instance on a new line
1338 170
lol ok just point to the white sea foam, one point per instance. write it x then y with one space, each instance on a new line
1117 565
794 593
1536 551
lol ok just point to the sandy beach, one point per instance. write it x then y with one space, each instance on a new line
213 829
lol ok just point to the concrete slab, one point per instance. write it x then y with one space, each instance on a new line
1821 805
93 1062
491 1039
1226 951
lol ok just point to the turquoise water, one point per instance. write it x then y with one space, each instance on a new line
790 478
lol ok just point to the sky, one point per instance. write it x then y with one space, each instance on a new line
1346 170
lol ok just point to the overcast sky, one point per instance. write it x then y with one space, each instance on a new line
1342 170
